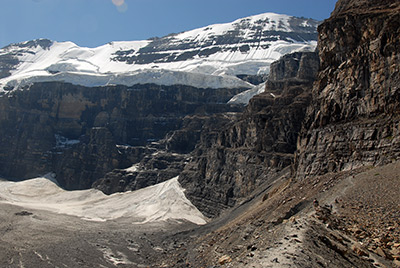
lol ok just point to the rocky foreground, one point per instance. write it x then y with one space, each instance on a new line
36 238
353 223
340 219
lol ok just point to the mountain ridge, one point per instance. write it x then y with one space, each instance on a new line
244 47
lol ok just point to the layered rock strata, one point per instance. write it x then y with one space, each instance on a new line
231 162
82 133
166 158
355 113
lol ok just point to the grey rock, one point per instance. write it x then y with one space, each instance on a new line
75 131
233 159
354 116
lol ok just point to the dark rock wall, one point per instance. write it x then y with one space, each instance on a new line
166 158
95 120
354 117
296 65
233 160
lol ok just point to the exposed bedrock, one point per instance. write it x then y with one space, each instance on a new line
74 130
166 158
363 6
232 161
355 113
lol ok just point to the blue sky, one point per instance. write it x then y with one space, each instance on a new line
92 23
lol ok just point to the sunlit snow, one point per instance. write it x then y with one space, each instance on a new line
161 202
65 61
245 96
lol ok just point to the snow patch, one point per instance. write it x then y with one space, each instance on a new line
133 168
161 202
245 96
63 142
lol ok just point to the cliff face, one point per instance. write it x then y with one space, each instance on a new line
353 119
354 116
231 162
166 158
74 130
362 6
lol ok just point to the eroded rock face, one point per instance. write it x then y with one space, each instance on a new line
74 130
303 66
166 158
154 168
362 6
233 160
355 114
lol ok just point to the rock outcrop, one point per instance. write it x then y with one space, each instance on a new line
355 113
82 133
154 168
166 158
363 6
231 162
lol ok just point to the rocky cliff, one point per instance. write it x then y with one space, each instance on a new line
342 210
354 117
231 162
82 133
166 158
363 6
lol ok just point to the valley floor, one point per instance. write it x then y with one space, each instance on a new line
37 238
355 223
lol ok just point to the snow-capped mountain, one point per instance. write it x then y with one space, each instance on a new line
211 56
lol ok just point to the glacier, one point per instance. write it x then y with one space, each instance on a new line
207 57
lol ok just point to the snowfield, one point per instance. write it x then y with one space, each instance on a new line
160 77
162 202
208 57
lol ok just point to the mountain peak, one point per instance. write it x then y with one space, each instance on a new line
42 42
246 46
